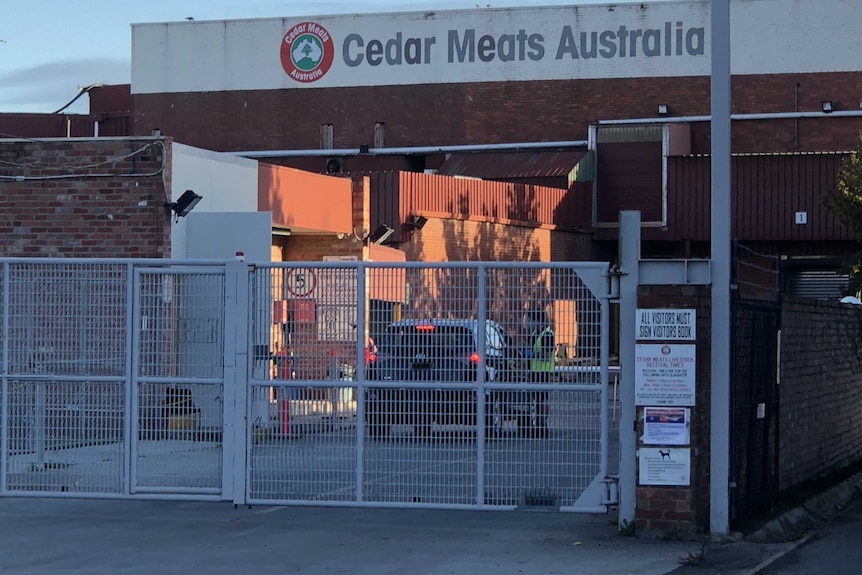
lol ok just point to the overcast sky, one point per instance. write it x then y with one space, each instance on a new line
48 48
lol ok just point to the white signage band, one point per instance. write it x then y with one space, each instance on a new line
661 39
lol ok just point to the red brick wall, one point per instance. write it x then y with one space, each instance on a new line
444 114
313 248
821 389
112 205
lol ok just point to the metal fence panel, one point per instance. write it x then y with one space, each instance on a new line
68 377
178 380
65 437
66 320
64 333
429 387
308 453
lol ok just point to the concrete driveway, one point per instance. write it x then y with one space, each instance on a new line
101 537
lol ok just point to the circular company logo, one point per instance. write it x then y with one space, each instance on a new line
307 52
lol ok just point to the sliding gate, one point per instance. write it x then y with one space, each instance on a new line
265 383
346 407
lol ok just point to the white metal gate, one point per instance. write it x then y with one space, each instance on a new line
111 378
178 380
255 383
331 426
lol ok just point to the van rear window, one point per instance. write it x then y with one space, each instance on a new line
427 340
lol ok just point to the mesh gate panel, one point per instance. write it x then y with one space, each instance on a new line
179 386
67 319
473 385
65 328
66 437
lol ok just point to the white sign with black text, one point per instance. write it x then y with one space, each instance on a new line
664 466
666 324
665 374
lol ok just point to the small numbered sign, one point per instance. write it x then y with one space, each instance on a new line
300 282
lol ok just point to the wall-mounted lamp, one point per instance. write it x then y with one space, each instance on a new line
662 110
184 204
827 106
417 222
334 165
381 234
283 232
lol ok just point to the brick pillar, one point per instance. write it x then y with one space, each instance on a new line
684 509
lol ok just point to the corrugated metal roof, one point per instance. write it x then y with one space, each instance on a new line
507 165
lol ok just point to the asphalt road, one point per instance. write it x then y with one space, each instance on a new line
834 549
92 537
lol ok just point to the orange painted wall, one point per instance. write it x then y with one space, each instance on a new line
466 240
304 201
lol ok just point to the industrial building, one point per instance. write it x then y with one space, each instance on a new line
478 135
582 111
609 103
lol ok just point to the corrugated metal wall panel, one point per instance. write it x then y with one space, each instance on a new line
576 208
462 197
116 126
385 205
767 192
818 284
629 133
33 125
513 166
62 125
79 127
45 125
560 182
629 178
688 201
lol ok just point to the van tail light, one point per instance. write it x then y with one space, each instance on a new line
474 357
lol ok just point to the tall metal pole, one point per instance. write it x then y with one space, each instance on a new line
630 254
720 242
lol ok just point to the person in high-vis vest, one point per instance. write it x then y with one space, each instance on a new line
542 361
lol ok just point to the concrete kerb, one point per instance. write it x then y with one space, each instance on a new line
752 553
794 527
794 524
